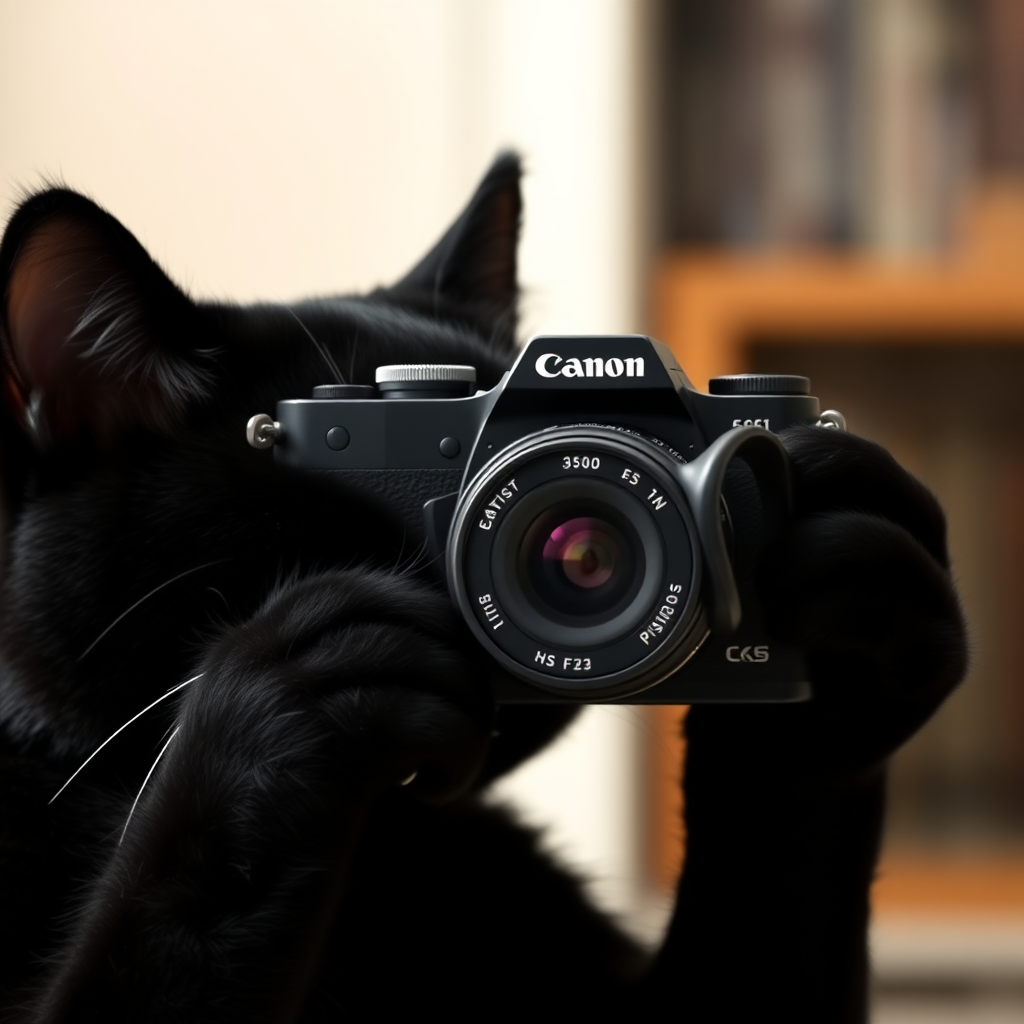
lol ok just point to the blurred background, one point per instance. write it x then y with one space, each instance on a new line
826 187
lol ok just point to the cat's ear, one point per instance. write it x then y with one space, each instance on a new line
95 335
471 274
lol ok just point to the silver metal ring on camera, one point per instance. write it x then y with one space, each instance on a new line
261 431
832 419
401 372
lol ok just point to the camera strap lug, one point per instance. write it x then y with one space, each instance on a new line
832 419
261 431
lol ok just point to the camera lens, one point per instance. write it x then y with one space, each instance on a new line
571 556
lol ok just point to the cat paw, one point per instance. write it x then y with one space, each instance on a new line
860 581
367 672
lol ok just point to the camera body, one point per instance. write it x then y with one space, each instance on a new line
586 513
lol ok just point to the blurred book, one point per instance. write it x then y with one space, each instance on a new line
817 123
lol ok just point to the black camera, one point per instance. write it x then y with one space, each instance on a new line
587 512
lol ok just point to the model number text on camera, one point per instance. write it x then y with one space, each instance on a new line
752 423
546 660
581 462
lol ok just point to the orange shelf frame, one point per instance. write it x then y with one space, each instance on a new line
712 310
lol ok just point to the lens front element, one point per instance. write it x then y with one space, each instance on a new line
583 552
577 561
572 557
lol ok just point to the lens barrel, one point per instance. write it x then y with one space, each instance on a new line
574 558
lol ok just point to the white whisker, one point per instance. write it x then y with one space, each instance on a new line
166 583
352 358
173 689
144 781
331 364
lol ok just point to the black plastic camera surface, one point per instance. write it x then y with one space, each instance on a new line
576 511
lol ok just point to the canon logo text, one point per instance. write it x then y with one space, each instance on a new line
552 365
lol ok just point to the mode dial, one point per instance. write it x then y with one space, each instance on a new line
425 380
759 384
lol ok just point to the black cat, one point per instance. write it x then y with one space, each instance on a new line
274 868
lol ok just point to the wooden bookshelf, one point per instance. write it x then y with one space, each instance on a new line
714 309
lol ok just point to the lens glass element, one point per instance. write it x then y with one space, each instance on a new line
579 566
576 562
585 551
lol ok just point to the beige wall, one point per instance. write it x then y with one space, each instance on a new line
274 148
267 149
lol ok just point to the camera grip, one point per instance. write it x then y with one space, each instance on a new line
702 481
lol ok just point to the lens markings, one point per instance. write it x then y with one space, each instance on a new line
497 503
663 619
490 611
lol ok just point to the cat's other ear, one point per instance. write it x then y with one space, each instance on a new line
96 338
471 274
